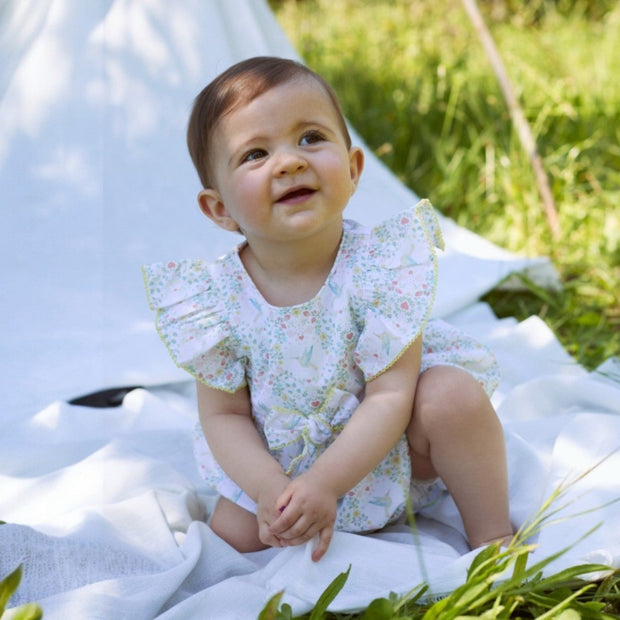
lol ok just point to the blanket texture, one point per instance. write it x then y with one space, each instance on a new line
104 507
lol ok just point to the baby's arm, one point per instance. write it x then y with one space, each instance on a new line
309 501
229 429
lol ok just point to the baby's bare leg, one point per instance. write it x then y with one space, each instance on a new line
237 526
455 433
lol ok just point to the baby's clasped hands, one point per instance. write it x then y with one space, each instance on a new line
307 508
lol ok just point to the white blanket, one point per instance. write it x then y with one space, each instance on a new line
104 507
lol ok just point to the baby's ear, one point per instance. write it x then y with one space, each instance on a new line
356 165
211 204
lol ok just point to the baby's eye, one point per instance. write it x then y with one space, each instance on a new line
253 155
311 137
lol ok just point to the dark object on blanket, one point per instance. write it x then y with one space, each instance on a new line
111 397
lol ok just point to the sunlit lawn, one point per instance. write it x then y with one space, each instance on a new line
416 84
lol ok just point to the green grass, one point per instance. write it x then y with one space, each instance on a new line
414 81
498 586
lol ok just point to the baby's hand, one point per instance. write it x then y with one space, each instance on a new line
307 509
266 511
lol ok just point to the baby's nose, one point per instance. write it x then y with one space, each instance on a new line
290 163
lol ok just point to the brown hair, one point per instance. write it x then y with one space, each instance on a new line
237 86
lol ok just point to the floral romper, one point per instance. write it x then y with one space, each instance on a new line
306 365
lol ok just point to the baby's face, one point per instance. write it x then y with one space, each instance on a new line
282 167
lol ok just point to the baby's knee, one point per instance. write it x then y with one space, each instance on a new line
449 395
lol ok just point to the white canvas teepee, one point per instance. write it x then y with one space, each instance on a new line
96 180
104 506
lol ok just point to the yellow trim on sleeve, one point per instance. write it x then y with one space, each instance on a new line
430 211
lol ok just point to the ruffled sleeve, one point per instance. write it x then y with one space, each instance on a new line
396 280
192 322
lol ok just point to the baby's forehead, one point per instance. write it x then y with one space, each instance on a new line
256 90
306 88
289 106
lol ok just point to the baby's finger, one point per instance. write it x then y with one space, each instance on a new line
322 543
288 522
267 538
302 536
283 500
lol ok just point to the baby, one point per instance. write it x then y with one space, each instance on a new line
327 397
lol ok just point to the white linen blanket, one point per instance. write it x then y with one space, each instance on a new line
104 508
106 512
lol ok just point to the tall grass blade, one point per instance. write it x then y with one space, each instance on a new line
329 595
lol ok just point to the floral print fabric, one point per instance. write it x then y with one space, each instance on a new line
306 365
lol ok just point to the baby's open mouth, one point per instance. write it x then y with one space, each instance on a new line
296 194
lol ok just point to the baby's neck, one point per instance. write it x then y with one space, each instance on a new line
289 278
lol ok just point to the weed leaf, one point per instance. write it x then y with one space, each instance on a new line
31 611
483 557
270 611
379 609
329 595
8 585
